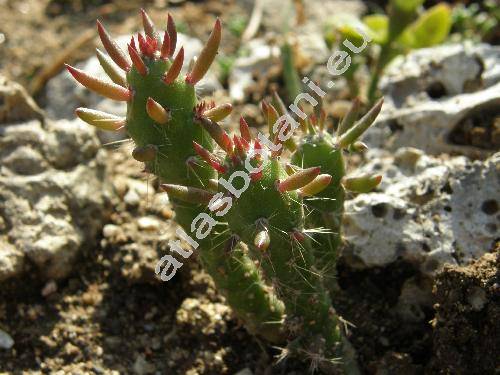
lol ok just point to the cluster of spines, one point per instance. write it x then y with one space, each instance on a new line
149 46
300 183
152 125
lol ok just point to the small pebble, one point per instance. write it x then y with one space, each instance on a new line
49 288
132 198
6 342
148 223
142 367
167 213
110 230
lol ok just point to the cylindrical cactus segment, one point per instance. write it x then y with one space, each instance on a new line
273 228
161 112
320 148
325 209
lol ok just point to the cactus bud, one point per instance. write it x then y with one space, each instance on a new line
209 158
291 169
361 126
358 146
147 23
298 179
137 61
219 112
322 120
175 68
316 186
172 33
157 112
361 184
207 55
231 243
272 117
100 120
240 148
132 43
245 130
298 236
262 240
350 117
165 47
147 45
264 109
145 154
107 89
111 69
256 176
115 52
213 185
187 194
217 133
278 104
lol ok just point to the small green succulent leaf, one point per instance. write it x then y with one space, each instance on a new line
379 27
406 6
349 27
431 28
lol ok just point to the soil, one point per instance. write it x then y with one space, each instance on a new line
467 322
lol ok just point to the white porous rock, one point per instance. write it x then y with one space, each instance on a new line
432 93
53 194
444 71
64 94
11 261
427 211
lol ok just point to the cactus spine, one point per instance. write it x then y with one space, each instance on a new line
267 256
320 148
161 108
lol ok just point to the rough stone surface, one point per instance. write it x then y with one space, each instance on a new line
15 103
442 100
64 94
52 194
442 71
427 211
11 261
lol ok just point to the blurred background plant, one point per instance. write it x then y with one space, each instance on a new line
405 26
479 22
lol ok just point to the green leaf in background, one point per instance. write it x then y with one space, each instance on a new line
407 6
431 28
379 27
347 25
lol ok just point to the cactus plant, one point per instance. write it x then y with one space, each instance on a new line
160 120
256 218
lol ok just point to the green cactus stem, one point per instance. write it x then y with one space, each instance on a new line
263 206
161 108
320 148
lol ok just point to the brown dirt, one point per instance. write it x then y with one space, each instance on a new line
35 34
479 129
467 322
385 343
